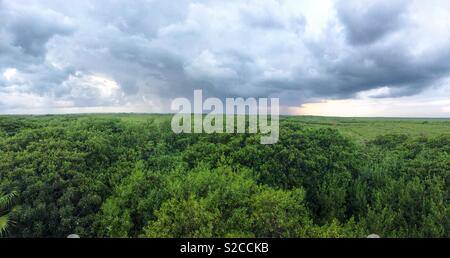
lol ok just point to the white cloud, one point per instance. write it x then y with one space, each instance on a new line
207 64
9 73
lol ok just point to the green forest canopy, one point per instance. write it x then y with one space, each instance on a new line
130 176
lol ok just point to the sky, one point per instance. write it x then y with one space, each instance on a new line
320 57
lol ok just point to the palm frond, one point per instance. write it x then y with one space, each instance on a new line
5 204
4 223
6 200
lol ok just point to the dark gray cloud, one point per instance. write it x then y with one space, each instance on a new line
27 29
118 53
366 22
375 67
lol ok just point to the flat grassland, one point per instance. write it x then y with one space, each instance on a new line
359 129
369 128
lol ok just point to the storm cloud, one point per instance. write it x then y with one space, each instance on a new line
138 55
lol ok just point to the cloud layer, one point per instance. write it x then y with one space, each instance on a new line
138 55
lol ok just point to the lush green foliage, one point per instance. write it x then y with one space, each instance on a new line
5 205
130 176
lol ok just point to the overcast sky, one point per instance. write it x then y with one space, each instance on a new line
320 57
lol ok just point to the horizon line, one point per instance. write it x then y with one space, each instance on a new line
169 113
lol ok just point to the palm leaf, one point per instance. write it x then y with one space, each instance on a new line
5 204
6 200
4 223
